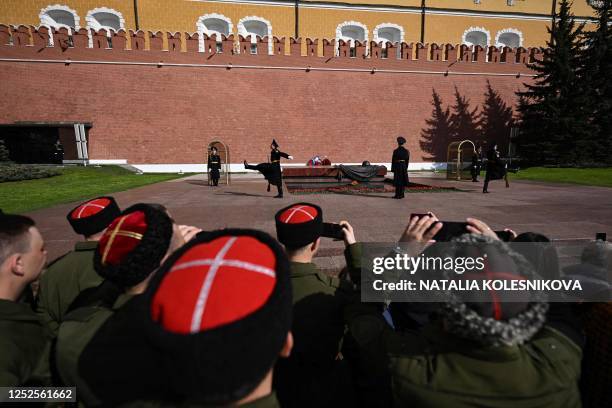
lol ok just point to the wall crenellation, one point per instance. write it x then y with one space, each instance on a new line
137 41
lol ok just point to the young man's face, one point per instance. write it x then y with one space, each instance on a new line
33 261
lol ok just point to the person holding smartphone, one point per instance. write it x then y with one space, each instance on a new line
314 374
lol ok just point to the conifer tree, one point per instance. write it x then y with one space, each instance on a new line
435 138
4 152
598 75
495 119
463 121
555 116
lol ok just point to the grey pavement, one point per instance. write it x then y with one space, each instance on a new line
561 211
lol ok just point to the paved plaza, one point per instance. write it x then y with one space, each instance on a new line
561 211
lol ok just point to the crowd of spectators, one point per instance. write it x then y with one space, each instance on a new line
146 311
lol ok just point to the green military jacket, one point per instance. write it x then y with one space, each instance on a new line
314 374
318 304
75 332
433 368
63 280
24 346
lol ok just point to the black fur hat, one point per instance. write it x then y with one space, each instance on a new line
134 245
401 140
299 224
219 311
93 216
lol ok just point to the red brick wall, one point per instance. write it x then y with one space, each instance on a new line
147 114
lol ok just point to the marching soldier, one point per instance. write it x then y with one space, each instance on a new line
496 168
399 167
277 176
272 171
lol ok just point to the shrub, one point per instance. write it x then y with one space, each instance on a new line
4 152
18 172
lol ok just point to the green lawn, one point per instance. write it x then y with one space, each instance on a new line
590 177
75 183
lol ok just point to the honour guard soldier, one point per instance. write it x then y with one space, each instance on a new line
277 176
496 168
399 167
272 171
214 166
476 164
74 272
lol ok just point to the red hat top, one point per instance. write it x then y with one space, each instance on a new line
299 224
89 208
121 237
92 216
298 213
219 282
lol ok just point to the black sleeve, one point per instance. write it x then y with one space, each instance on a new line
285 155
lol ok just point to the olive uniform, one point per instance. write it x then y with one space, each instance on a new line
24 346
314 374
75 332
434 368
64 279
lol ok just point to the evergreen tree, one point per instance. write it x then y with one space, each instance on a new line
435 138
597 74
4 152
495 119
463 121
555 122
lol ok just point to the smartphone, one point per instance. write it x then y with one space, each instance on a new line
450 229
505 236
332 230
601 236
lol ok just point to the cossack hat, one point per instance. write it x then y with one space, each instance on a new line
219 311
93 216
299 224
133 245
493 317
401 140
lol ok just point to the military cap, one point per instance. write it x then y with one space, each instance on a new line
133 245
299 224
219 311
93 216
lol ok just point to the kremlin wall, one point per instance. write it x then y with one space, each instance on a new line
156 100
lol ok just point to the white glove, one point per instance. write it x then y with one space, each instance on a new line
290 157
